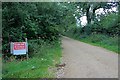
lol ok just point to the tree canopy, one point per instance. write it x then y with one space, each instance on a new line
47 20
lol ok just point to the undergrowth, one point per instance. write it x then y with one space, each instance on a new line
42 56
102 40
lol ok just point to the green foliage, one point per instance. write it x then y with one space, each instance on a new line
97 38
104 33
31 20
109 21
107 25
102 40
44 57
110 43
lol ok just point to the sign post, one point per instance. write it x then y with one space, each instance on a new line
26 48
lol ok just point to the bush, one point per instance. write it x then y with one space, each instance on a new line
30 20
97 38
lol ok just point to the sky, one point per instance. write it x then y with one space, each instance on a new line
83 19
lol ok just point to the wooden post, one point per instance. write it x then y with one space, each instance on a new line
26 49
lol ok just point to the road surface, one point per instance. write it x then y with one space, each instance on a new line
87 61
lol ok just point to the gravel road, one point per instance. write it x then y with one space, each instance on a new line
87 61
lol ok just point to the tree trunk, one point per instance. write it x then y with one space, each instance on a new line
87 27
88 15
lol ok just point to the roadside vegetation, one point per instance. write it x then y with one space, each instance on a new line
103 32
44 23
101 40
43 58
39 23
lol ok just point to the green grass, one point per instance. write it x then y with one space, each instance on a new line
37 66
113 48
101 40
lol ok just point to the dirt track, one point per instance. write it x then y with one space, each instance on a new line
87 61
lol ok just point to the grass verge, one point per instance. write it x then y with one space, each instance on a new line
101 40
42 57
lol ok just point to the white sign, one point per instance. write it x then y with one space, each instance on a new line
19 48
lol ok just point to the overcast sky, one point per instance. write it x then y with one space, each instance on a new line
99 11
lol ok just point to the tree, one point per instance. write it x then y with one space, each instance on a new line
31 20
88 9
